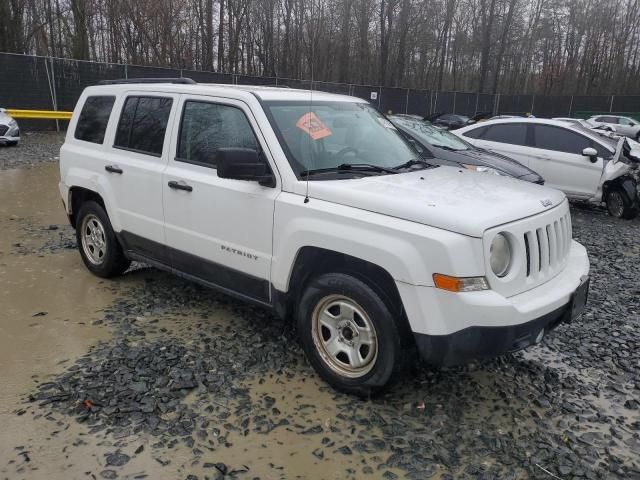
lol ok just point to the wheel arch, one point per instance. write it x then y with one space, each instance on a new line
313 261
625 183
78 196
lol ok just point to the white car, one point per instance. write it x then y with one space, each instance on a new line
316 207
627 126
583 164
9 130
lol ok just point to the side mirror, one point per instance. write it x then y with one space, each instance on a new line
244 164
592 153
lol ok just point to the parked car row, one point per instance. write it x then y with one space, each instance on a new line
586 160
578 161
444 148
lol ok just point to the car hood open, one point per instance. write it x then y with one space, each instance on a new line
450 198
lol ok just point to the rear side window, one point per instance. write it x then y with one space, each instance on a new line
476 133
607 120
94 118
207 127
511 133
143 123
560 140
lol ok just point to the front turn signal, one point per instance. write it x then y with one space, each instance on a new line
460 284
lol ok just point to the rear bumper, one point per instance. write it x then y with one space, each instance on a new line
483 342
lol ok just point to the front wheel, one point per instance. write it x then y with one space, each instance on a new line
349 334
620 205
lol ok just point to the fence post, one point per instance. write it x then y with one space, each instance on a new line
454 102
497 105
533 103
611 104
477 101
52 89
406 105
126 73
571 106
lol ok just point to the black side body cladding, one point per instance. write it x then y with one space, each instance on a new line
200 270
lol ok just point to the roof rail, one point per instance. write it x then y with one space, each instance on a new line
182 80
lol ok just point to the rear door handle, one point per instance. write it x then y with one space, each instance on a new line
180 186
113 169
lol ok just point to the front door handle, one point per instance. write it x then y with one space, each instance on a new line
113 169
180 186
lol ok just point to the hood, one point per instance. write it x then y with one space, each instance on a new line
453 199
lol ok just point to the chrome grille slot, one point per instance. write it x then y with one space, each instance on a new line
547 247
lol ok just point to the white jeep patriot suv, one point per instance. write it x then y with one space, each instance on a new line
312 204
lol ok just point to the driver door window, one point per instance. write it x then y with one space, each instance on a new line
207 127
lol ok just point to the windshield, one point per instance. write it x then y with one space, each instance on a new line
431 135
329 134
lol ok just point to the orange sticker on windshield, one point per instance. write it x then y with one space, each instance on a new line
313 126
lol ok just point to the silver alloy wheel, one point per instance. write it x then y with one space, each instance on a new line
93 239
615 202
344 336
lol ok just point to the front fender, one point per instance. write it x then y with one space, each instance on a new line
410 252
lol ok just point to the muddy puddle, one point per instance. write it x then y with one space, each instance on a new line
150 376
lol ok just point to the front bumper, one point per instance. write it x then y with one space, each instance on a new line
450 328
483 342
11 135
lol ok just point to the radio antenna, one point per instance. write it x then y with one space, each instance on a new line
312 35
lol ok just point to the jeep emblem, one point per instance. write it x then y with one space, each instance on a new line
546 202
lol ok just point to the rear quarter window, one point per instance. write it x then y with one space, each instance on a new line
475 133
94 118
143 124
510 133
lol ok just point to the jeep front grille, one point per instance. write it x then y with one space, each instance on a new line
547 247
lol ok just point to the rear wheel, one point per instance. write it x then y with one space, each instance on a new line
349 334
100 250
620 205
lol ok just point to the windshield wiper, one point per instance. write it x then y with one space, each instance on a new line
412 162
346 167
446 147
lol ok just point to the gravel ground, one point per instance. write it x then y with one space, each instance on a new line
178 370
34 148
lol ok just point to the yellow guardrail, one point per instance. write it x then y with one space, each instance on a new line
43 114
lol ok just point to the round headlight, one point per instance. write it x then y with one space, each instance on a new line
500 255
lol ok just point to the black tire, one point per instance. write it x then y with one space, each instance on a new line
619 204
112 262
389 358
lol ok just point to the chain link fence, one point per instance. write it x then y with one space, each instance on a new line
45 83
